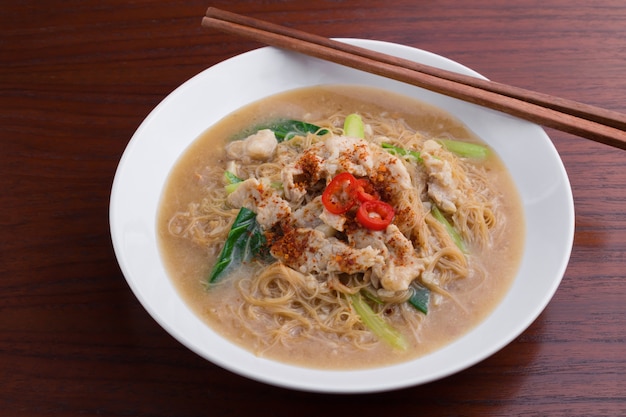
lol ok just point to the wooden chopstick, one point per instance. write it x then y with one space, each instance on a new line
600 125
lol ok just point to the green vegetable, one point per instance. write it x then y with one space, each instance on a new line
454 234
396 150
353 126
377 324
232 181
420 297
287 129
245 241
277 185
372 297
465 149
231 178
231 187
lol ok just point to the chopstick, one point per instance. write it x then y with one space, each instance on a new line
594 123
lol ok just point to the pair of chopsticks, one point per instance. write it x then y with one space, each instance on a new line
600 125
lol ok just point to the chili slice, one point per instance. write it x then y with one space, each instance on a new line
375 214
338 197
365 190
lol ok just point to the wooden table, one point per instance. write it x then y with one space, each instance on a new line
78 77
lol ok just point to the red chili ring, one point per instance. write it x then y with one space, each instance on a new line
375 214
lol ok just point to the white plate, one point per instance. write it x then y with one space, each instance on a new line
204 99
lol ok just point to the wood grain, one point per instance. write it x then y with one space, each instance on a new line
78 77
590 122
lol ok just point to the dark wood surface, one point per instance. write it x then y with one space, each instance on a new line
78 77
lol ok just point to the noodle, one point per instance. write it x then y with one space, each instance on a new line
284 304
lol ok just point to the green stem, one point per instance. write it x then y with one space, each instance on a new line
232 181
377 324
465 149
353 126
396 150
454 234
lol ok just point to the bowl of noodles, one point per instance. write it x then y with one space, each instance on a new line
319 228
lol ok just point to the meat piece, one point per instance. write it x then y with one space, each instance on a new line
297 177
336 154
310 251
313 215
442 186
389 171
344 153
262 199
336 221
323 161
391 177
260 146
308 216
401 265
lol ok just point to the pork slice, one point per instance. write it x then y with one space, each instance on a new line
311 251
261 198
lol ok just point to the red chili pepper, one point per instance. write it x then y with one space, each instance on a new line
339 195
365 190
375 214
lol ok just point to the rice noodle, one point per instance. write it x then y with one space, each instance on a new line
294 306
